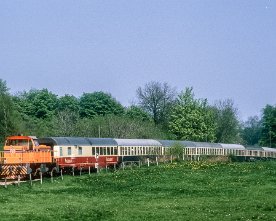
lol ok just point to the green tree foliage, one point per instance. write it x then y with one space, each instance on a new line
37 103
135 112
118 126
37 109
226 118
191 118
64 123
268 133
99 103
8 115
157 99
68 103
176 149
251 131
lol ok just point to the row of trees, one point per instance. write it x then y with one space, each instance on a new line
188 118
160 113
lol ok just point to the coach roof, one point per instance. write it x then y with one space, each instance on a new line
208 145
62 141
102 141
137 142
232 146
79 141
169 143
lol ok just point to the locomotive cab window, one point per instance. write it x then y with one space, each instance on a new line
31 146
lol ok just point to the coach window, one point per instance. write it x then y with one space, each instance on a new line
108 151
80 150
60 151
69 151
93 151
115 151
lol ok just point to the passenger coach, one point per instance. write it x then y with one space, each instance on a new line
80 152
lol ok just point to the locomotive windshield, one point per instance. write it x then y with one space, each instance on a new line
17 142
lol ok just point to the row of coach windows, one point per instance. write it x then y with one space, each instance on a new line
104 150
114 151
141 150
69 151
98 150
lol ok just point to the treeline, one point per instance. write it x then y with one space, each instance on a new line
160 113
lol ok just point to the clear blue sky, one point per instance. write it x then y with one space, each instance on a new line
224 49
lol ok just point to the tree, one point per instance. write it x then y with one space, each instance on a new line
36 103
191 118
99 103
251 131
65 123
226 118
117 126
176 149
135 112
68 103
8 114
157 99
268 133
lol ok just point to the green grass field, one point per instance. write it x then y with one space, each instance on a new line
189 191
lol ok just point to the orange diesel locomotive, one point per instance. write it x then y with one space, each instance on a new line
23 155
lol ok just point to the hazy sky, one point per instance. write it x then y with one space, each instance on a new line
224 49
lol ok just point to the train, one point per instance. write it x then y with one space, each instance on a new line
23 155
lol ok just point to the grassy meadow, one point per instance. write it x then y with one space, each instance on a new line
178 191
